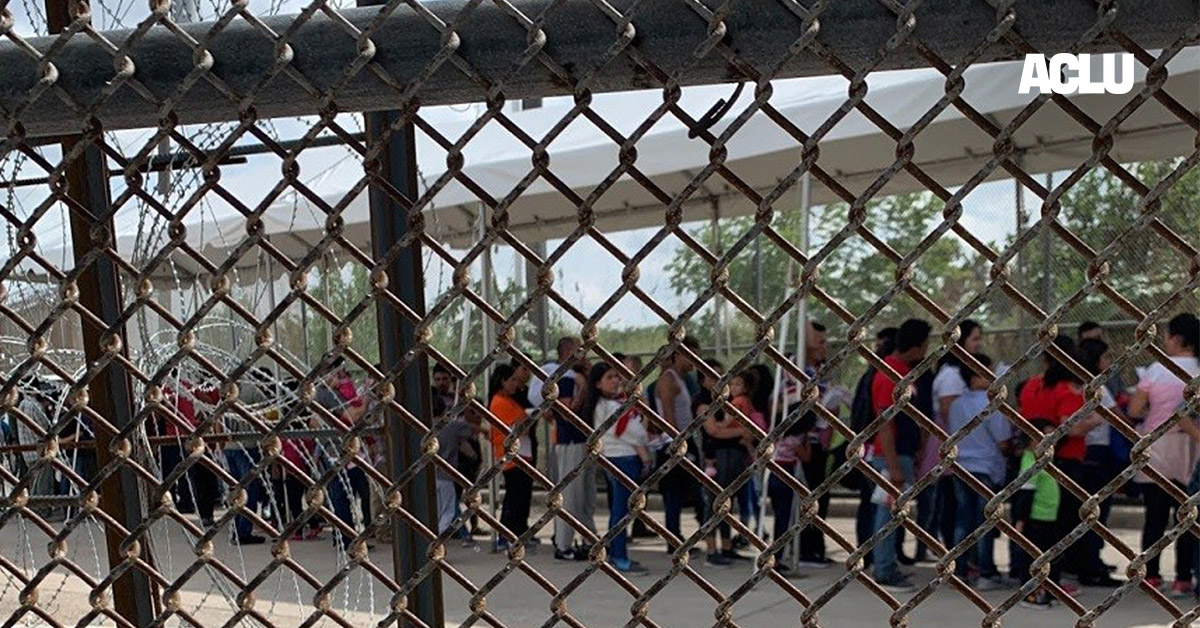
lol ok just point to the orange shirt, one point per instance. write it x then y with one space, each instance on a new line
510 413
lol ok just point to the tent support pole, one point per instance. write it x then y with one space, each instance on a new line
1047 291
488 336
801 346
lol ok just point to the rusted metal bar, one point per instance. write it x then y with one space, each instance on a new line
111 390
397 338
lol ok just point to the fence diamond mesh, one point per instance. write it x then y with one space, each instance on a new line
191 270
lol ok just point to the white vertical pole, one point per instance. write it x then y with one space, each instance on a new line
793 555
487 340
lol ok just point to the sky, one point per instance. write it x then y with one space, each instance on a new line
588 273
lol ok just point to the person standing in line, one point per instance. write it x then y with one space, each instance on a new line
626 446
1099 463
1035 510
570 449
936 505
674 404
981 452
1157 400
862 413
505 385
1056 395
896 445
729 440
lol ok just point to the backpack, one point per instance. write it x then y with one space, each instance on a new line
862 412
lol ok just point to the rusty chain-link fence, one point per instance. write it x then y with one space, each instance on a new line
158 187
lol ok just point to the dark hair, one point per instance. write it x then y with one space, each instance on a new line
1187 328
912 333
438 367
592 393
750 378
817 327
563 343
887 341
965 329
982 358
1056 371
1090 352
1087 326
1040 424
496 382
763 388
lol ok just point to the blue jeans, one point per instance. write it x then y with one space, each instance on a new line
884 553
241 462
344 487
618 503
970 516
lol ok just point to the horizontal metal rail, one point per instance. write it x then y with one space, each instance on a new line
491 42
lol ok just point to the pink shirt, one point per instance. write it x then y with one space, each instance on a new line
1173 454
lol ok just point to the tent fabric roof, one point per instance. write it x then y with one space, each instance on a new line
951 150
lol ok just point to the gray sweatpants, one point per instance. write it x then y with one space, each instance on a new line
579 497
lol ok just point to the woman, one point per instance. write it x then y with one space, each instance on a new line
936 507
503 387
1099 465
1157 400
1055 396
626 445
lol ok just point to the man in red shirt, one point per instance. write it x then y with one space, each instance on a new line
896 445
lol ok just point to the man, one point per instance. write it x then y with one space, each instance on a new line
570 448
861 414
443 386
674 404
896 445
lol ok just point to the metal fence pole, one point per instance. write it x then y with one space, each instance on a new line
110 388
397 337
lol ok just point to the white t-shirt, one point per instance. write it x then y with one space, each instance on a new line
634 435
1102 434
949 382
536 384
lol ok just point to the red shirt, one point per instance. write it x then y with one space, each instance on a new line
1054 404
882 388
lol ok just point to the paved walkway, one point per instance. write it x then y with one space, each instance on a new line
520 602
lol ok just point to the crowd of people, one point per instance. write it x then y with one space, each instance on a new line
954 395
723 441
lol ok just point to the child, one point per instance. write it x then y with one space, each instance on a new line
981 453
742 388
1035 515
625 445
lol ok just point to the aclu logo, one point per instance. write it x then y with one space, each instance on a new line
1071 74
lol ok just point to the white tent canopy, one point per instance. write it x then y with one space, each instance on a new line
760 153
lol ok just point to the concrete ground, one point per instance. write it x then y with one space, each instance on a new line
519 601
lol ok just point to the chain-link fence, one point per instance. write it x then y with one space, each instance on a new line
240 237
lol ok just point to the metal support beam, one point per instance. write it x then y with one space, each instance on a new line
577 34
397 338
110 390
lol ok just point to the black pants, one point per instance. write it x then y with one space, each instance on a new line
181 491
518 494
1043 534
1159 507
1076 557
204 488
1099 469
812 539
289 499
